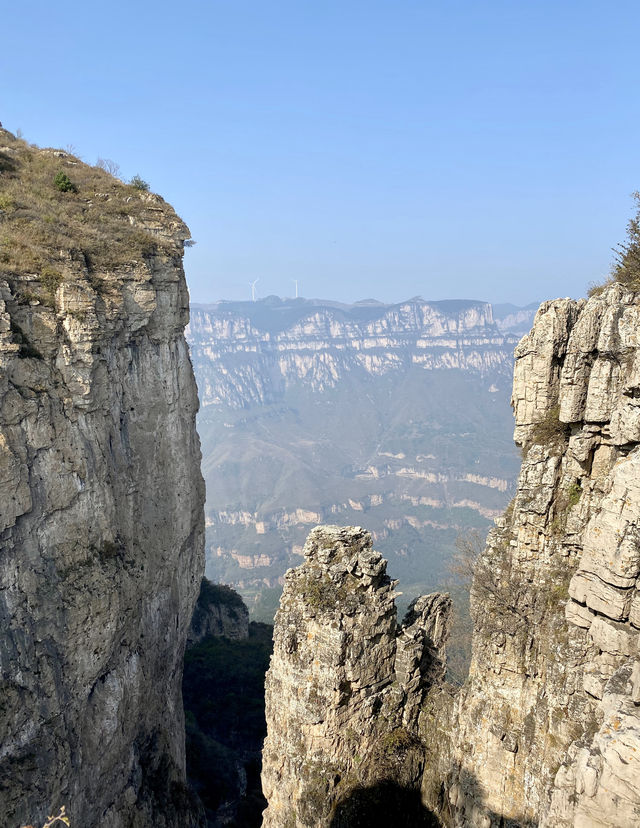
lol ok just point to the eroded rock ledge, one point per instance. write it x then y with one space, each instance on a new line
345 686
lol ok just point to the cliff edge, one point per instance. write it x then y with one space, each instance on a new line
546 732
101 505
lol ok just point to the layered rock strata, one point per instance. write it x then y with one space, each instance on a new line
249 353
345 683
391 416
101 506
546 731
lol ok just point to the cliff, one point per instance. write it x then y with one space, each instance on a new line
546 731
251 352
101 504
344 688
219 611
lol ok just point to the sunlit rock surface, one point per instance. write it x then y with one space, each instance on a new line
546 732
101 519
345 685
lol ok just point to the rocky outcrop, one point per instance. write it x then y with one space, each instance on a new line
219 611
345 686
101 502
546 732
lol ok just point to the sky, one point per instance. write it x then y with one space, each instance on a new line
471 149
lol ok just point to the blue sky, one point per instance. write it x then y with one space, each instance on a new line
387 149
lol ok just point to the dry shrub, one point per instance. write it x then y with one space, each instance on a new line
550 431
40 223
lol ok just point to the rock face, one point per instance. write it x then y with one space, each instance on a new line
101 502
251 352
219 611
546 731
345 685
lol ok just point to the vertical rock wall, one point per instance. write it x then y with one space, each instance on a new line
546 732
344 687
219 611
101 534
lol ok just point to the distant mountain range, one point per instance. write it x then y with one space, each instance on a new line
395 417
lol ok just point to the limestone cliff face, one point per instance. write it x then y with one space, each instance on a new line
101 504
219 611
546 731
248 353
345 686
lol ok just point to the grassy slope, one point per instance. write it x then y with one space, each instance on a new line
41 226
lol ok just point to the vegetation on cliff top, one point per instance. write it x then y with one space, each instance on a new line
53 207
626 266
218 594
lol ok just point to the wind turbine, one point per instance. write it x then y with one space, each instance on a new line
252 285
295 281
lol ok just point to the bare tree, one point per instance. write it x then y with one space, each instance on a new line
464 564
109 166
461 569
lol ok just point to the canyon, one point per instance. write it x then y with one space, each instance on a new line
102 539
394 416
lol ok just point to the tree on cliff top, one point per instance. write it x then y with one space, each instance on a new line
626 265
626 268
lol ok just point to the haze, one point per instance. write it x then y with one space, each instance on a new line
483 150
